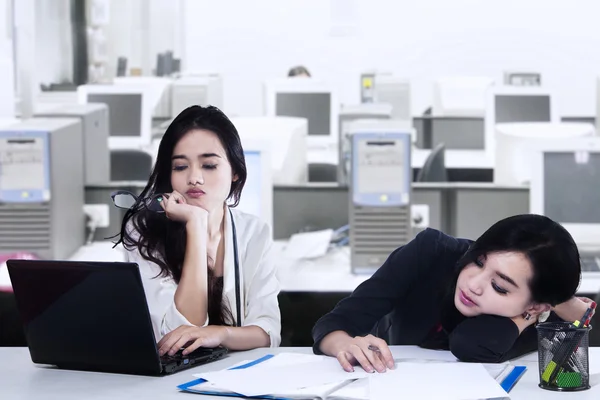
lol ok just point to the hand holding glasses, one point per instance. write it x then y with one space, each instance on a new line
126 200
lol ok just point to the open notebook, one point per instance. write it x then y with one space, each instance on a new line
301 376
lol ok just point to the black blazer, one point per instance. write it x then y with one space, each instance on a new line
409 301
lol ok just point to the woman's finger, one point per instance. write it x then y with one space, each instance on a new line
356 352
383 350
343 359
180 343
197 343
373 355
169 342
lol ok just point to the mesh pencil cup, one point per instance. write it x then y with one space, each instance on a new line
563 356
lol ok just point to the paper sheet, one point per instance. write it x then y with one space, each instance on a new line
411 353
449 381
282 379
308 244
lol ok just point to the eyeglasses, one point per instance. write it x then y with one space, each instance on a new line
126 200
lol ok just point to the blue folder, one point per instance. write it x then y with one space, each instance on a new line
512 378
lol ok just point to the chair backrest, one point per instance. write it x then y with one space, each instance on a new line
434 169
130 165
322 172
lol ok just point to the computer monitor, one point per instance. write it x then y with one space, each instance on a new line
257 195
196 90
286 139
564 187
157 90
507 104
395 92
463 96
514 143
128 110
305 98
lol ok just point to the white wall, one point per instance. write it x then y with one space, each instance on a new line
54 44
251 41
128 32
7 95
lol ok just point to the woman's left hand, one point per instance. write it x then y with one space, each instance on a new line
573 309
209 336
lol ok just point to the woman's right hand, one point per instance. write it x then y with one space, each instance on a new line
372 353
177 209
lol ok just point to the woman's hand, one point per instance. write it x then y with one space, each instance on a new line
209 336
177 209
372 353
574 309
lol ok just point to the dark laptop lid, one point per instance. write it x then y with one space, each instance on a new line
85 315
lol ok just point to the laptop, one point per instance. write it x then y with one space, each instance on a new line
92 316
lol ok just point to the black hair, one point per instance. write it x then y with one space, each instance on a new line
163 241
547 245
299 70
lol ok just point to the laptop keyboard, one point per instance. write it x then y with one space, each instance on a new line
590 264
198 353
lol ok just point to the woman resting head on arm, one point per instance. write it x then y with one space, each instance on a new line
478 299
187 253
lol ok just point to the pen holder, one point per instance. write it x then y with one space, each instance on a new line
563 356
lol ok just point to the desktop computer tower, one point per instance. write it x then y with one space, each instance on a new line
94 121
380 191
41 188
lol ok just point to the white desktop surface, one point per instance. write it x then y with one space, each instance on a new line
23 380
330 273
468 159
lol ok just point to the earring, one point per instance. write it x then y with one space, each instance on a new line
527 316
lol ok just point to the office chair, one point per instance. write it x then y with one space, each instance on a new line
434 169
321 172
130 165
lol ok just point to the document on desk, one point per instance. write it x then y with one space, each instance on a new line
448 381
314 378
308 245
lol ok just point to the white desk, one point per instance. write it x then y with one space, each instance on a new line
330 273
470 159
21 379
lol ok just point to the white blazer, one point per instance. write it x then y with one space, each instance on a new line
258 281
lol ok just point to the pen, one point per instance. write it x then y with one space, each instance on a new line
589 313
374 348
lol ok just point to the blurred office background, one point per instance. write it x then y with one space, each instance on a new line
478 110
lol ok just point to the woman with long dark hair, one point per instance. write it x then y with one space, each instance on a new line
207 268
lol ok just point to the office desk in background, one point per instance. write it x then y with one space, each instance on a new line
23 380
456 208
459 209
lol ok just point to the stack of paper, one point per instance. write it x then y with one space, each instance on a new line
286 375
300 376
